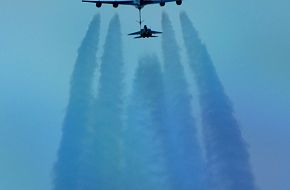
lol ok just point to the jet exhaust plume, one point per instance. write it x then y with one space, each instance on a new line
183 150
227 163
145 166
68 172
107 114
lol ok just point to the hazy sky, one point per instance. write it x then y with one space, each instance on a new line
248 41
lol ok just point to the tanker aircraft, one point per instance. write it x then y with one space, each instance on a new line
139 4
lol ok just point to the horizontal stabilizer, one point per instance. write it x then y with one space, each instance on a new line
143 37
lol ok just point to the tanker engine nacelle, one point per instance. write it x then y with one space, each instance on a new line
178 2
162 4
115 4
98 4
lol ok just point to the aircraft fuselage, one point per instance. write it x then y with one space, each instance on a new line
139 4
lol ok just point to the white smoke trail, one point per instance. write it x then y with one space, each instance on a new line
68 168
145 166
108 112
183 150
227 156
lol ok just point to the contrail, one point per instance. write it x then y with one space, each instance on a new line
227 156
183 150
67 169
108 112
145 166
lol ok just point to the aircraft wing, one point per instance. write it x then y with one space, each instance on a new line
155 32
111 2
135 33
148 2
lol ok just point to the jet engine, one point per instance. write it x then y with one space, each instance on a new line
178 2
115 4
163 3
98 4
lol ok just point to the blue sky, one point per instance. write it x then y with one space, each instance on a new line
248 41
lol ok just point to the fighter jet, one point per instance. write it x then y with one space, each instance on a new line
139 4
145 33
